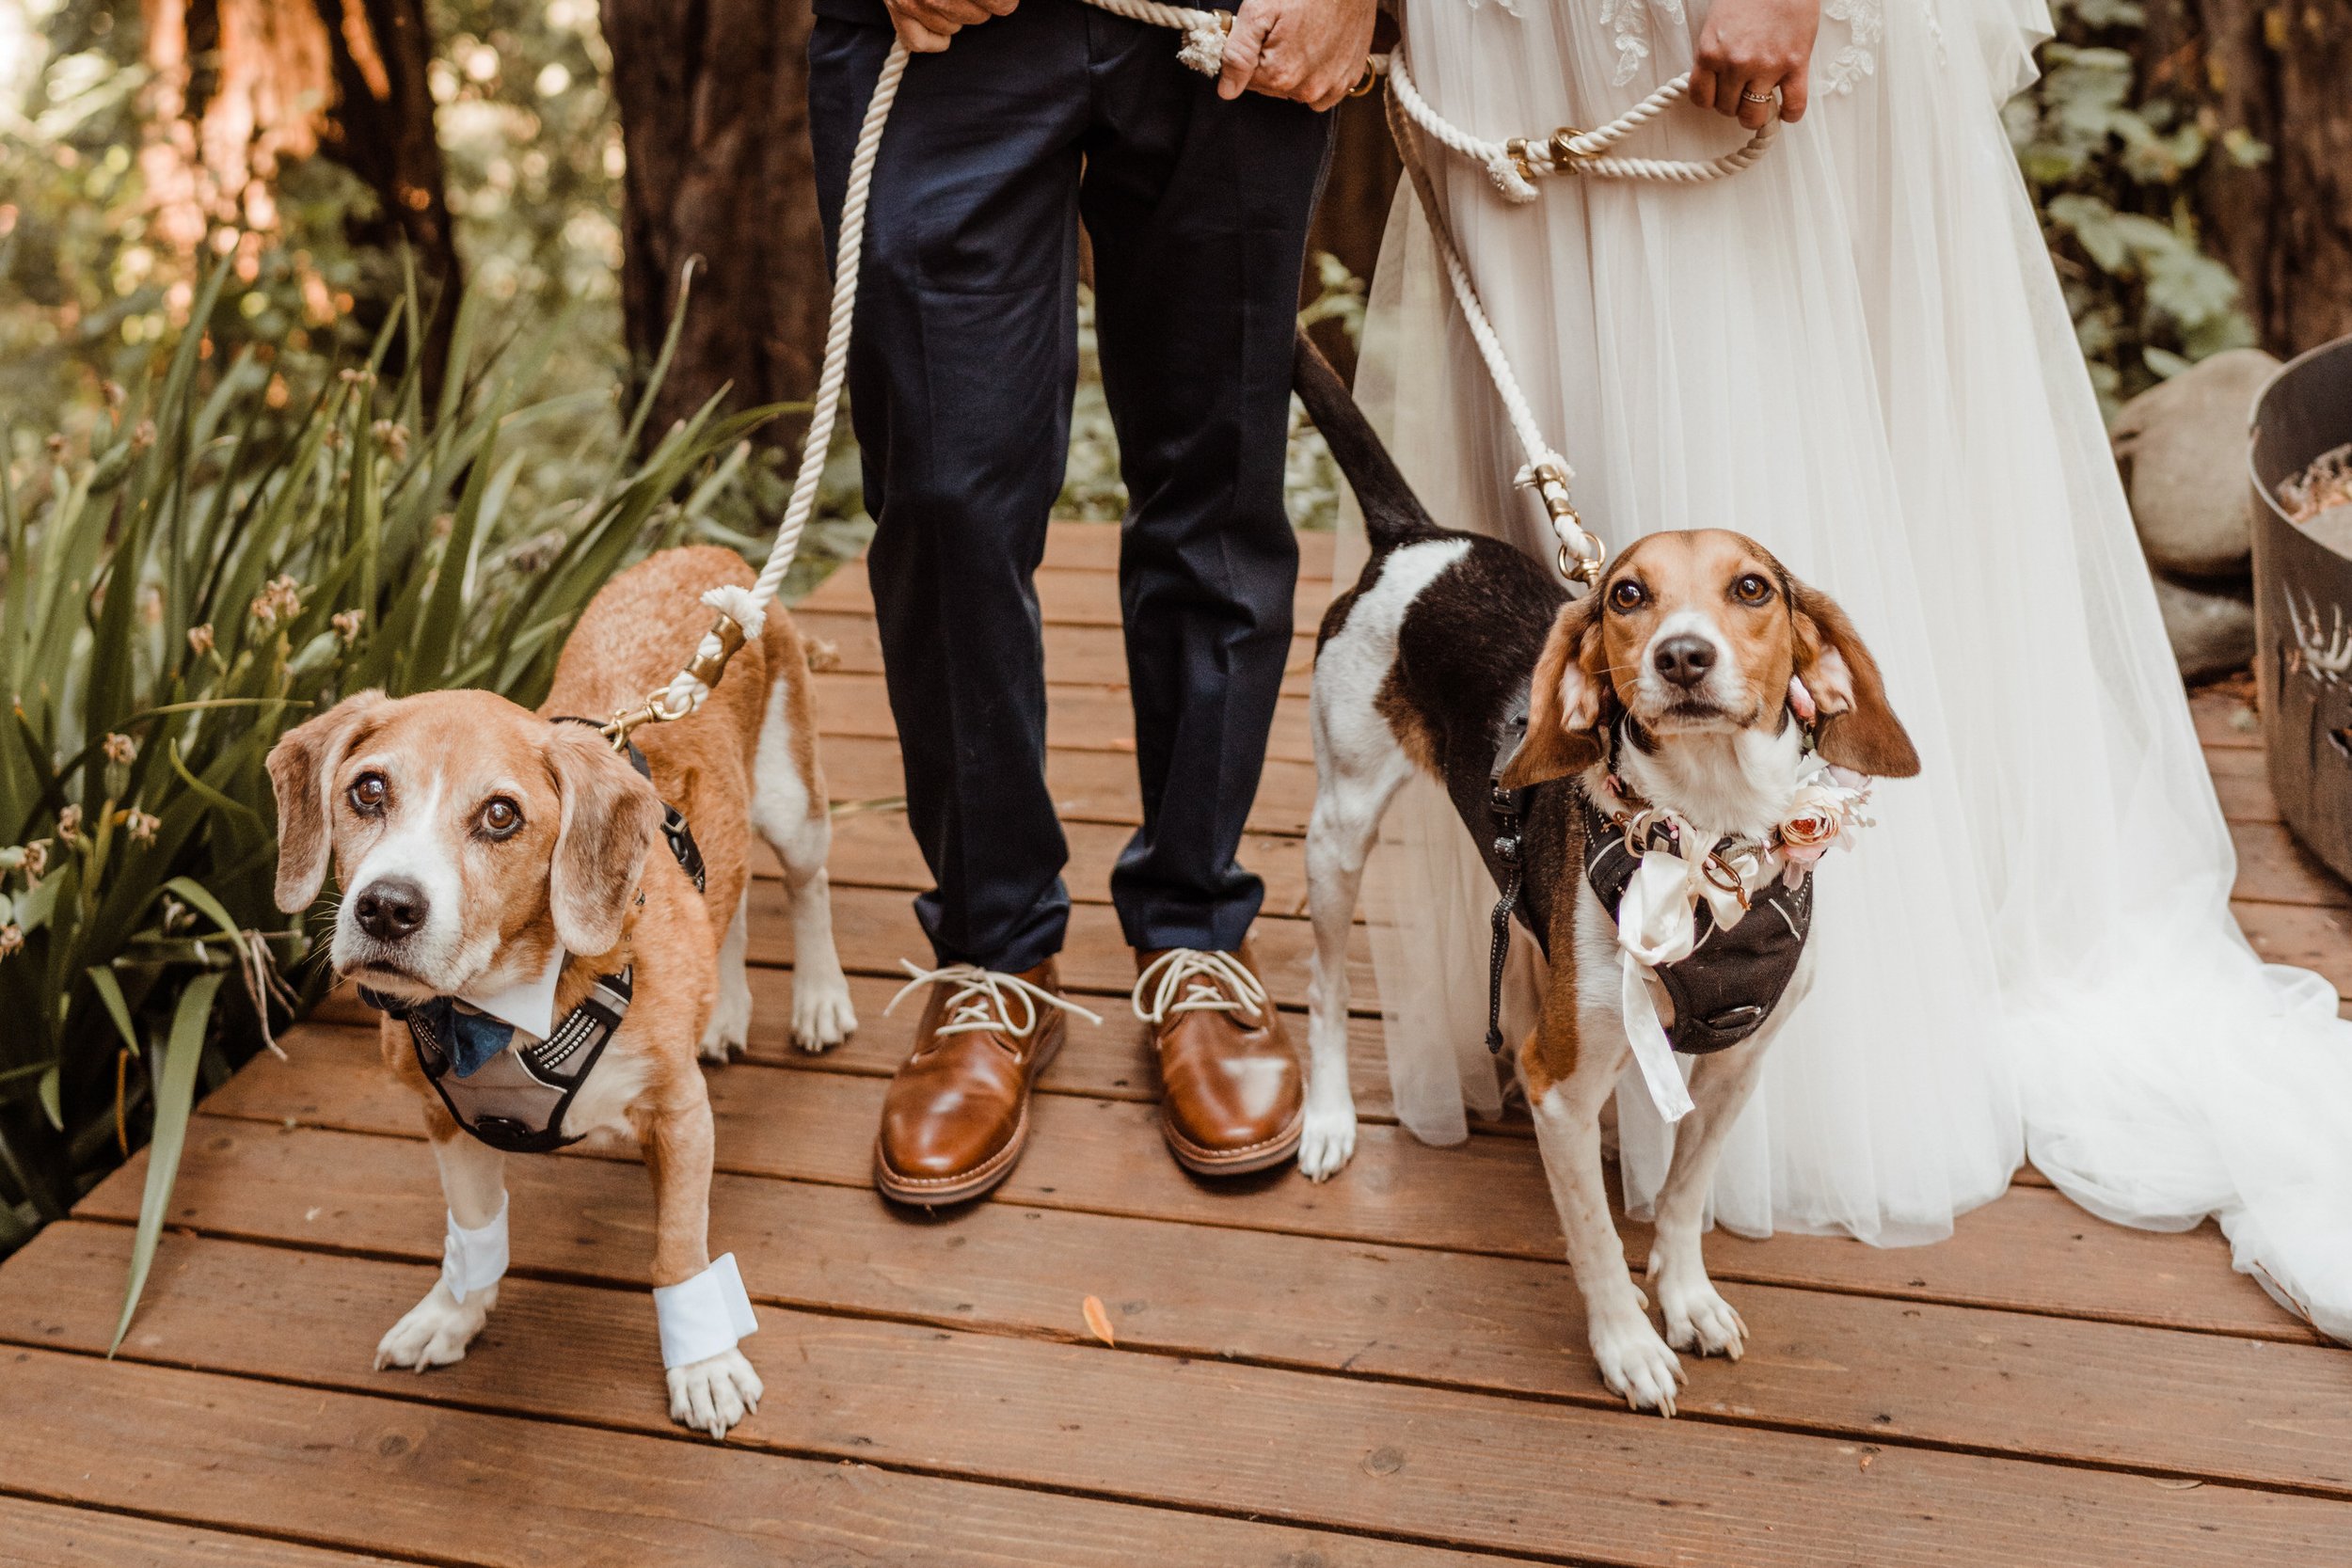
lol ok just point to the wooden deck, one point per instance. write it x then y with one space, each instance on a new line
1385 1370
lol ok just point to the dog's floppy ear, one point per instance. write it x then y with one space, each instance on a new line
1858 729
610 814
1569 695
302 775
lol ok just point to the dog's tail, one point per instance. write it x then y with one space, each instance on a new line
1393 514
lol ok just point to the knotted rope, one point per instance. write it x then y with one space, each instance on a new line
1514 165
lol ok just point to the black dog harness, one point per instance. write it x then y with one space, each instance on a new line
515 1099
1730 982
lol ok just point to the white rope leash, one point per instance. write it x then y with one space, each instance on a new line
1547 470
1513 164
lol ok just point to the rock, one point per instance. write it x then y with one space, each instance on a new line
2182 446
2212 633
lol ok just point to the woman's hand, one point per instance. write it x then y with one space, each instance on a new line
1308 50
1746 49
926 26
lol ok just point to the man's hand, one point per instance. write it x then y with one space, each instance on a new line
1308 50
1746 49
926 26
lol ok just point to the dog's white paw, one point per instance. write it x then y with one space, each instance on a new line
1634 1361
729 1029
821 1015
1698 1318
713 1394
1328 1140
436 1330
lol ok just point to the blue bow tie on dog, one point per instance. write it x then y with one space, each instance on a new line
467 1038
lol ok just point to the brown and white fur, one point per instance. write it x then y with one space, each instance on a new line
405 794
1704 641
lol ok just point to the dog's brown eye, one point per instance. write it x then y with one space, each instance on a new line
1752 589
1628 595
501 817
368 794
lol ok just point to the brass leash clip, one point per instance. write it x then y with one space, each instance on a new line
1582 563
705 667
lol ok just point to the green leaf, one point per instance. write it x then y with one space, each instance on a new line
175 1093
109 990
197 898
51 1103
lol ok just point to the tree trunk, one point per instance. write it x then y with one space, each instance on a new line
239 87
2280 74
381 128
713 97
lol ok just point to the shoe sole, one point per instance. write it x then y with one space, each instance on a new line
1236 1162
981 1179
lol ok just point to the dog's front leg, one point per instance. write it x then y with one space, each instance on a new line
1634 1362
701 1307
1697 1317
437 1329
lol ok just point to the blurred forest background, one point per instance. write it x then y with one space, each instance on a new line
2190 157
343 344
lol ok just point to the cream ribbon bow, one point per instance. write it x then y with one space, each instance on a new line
1658 924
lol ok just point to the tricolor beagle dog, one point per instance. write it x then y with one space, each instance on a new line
1694 732
555 931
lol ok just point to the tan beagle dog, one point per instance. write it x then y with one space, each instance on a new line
1693 711
549 968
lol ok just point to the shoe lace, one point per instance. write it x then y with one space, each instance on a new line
982 999
1192 980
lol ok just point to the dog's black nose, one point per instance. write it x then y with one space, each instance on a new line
1685 660
390 907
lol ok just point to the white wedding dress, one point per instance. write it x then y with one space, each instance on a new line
1857 352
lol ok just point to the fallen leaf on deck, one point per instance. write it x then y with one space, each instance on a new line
1098 1320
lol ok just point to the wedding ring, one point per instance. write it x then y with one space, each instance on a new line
1757 97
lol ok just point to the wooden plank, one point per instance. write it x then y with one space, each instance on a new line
2319 940
1093 654
2241 777
1877 1370
2031 1251
1095 546
2273 869
2224 718
873 848
446 1485
1088 787
1114 1064
875 929
1068 596
42 1535
1351 1454
1079 717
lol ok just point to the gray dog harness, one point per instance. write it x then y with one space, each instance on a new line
515 1098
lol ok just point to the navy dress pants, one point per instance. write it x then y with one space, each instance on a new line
961 375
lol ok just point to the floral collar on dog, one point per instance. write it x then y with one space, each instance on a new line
1720 927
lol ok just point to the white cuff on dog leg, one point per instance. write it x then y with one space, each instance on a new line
474 1260
704 1315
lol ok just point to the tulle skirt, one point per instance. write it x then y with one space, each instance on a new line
1857 352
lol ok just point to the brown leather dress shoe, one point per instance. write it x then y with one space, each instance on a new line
957 1115
1230 1101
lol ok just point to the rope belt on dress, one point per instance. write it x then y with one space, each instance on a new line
1514 165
